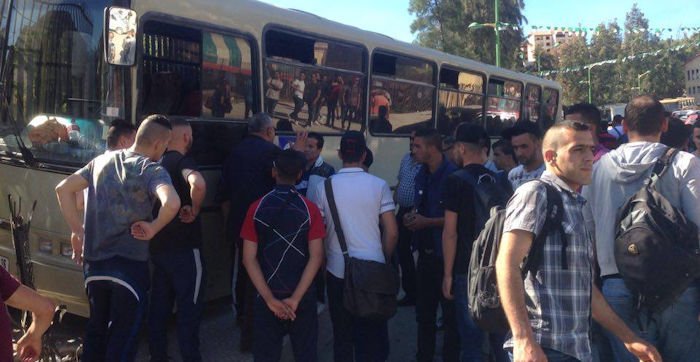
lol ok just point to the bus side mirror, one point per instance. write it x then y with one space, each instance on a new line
120 39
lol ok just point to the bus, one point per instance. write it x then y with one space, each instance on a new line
676 104
215 63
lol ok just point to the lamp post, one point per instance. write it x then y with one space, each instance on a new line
495 25
639 79
590 88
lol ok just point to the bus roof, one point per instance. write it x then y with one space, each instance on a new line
253 16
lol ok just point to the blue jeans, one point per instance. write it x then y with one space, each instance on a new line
552 356
117 292
470 336
674 331
178 277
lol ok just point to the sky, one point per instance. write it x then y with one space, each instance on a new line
391 17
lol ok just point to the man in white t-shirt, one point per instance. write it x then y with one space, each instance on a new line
298 85
526 139
272 94
363 202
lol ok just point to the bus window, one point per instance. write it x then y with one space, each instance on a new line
61 91
532 107
461 99
188 72
401 97
551 105
503 105
316 84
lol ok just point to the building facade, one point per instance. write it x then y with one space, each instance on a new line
546 40
692 78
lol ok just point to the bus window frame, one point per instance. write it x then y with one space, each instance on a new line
364 73
556 106
202 27
371 75
521 99
526 99
484 88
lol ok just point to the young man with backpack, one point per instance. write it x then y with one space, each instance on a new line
470 192
616 177
550 311
282 251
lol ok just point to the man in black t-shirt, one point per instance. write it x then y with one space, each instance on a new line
178 271
462 225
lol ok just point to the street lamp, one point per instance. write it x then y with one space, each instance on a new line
496 27
639 80
590 90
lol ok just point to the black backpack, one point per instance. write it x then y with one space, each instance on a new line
656 247
489 190
484 301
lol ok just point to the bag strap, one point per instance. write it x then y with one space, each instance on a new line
336 220
661 166
553 221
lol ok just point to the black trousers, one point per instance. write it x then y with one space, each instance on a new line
429 296
408 266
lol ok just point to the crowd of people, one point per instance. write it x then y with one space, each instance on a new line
297 223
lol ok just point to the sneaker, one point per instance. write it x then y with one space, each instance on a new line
320 307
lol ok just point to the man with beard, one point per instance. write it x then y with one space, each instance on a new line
526 139
178 271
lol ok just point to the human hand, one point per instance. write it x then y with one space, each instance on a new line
416 222
29 347
142 230
300 141
292 303
187 214
643 350
76 242
280 309
527 350
447 287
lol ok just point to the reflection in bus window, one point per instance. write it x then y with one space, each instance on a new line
460 100
402 94
502 105
61 90
192 73
532 107
551 105
312 84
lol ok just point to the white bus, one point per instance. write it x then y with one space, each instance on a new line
210 61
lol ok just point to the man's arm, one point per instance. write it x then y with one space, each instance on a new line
198 189
66 192
250 261
170 206
390 233
42 309
449 250
512 251
603 314
307 277
419 222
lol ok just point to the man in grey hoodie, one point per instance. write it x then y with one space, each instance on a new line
619 174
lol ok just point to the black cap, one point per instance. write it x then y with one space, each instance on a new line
352 145
471 133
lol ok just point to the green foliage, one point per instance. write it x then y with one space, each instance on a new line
443 25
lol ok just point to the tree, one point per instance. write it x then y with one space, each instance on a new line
574 54
606 44
443 25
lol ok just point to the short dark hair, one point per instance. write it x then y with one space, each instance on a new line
577 126
644 115
118 128
352 146
318 137
677 135
369 158
505 147
431 136
521 128
289 163
617 119
590 114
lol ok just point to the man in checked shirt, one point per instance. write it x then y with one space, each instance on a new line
550 312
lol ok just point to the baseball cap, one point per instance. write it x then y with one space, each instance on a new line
352 144
471 133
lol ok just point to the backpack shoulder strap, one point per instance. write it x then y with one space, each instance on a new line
661 166
553 222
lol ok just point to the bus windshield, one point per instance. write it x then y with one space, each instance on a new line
62 95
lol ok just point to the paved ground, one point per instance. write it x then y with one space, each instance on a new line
219 337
